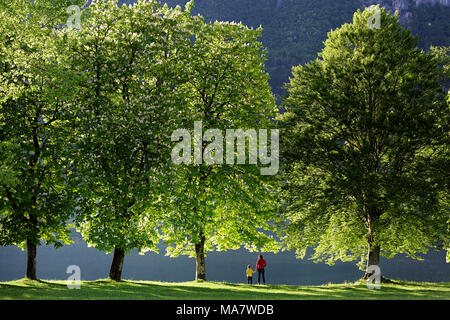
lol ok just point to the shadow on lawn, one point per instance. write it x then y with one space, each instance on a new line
272 292
136 290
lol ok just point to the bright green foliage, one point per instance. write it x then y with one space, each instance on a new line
223 205
364 146
90 111
35 202
128 62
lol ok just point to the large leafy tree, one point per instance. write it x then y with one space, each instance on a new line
35 201
365 147
128 61
213 204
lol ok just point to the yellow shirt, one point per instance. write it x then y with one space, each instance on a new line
249 272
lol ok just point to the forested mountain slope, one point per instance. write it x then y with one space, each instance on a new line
294 30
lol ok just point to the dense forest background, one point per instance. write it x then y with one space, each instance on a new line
294 30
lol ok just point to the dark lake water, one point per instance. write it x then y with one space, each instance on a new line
282 268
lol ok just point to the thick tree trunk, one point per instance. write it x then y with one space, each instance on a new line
373 259
31 260
115 273
373 254
200 263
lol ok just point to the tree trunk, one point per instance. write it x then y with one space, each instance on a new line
373 259
200 264
373 254
115 273
31 260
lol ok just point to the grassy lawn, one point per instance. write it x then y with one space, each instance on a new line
24 289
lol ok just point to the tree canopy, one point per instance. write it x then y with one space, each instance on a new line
36 202
364 143
213 204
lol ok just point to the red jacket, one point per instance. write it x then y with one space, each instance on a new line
261 264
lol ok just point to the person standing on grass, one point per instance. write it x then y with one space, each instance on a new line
260 265
249 272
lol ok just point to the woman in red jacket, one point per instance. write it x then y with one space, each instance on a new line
260 265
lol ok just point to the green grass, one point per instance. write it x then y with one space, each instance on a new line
24 289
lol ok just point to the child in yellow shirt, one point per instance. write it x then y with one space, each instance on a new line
249 272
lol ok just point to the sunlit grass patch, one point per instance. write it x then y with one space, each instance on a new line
104 289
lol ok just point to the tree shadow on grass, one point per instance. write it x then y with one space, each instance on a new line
221 290
32 284
105 289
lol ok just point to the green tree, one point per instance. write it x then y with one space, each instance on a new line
128 60
35 199
364 141
212 204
